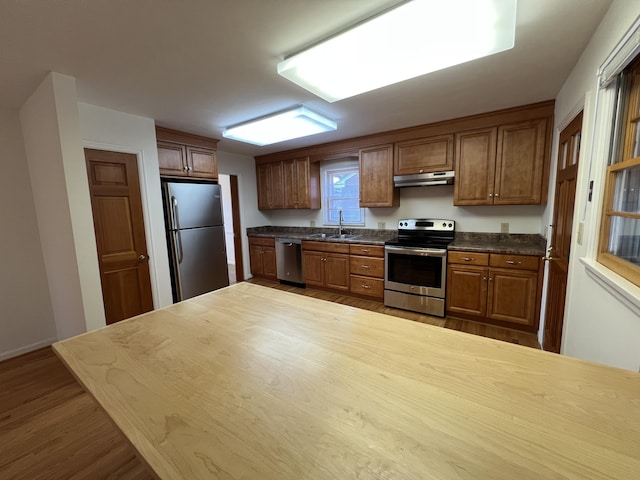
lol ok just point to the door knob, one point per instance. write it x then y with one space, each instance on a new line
549 255
142 258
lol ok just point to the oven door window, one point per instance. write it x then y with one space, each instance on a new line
415 270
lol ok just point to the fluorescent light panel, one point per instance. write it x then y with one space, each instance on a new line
295 123
415 38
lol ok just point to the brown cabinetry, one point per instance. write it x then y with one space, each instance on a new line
366 265
376 177
262 257
326 265
185 155
423 155
498 288
503 165
270 186
301 183
293 183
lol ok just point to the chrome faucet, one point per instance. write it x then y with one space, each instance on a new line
341 219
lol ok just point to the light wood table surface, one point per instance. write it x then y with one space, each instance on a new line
250 383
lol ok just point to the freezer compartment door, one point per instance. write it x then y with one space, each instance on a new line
192 205
200 261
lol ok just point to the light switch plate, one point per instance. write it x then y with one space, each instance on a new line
382 225
504 227
312 223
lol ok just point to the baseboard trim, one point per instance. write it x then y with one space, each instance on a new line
27 348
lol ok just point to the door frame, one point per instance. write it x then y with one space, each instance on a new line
146 215
237 228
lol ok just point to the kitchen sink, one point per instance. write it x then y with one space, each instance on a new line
344 236
317 235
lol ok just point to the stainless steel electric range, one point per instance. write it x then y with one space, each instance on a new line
415 268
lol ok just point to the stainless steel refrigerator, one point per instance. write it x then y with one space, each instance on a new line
195 236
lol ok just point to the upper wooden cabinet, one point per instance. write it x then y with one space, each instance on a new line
185 155
376 177
270 186
423 155
301 183
293 183
503 165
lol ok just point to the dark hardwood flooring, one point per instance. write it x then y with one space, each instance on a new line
51 429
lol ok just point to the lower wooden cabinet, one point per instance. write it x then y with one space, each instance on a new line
498 288
326 265
366 266
262 257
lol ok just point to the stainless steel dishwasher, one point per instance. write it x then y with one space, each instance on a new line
289 260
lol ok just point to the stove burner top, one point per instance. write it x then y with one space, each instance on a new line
424 232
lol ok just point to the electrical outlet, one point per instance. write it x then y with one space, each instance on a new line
504 227
381 225
312 223
580 232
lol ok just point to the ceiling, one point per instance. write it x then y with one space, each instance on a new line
202 65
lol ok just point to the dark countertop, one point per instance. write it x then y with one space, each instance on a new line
522 244
362 235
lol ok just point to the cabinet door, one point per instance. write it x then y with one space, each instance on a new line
202 163
269 261
301 181
475 161
290 180
467 290
336 271
512 296
520 163
312 267
376 177
255 260
424 155
270 186
172 159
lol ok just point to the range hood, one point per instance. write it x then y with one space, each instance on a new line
424 179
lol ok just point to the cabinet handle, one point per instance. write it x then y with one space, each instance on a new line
490 279
511 262
468 259
491 195
484 278
185 168
421 170
365 266
365 286
365 250
496 195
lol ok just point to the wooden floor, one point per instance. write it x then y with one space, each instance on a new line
484 330
51 429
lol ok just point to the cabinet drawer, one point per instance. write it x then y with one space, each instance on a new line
367 250
367 286
522 262
469 258
367 266
264 241
331 247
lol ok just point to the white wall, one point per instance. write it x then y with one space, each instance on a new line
598 326
430 202
106 129
26 322
227 213
58 176
244 167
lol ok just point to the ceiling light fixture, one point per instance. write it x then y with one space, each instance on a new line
278 127
418 37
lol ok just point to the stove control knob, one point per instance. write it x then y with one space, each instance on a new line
450 225
444 224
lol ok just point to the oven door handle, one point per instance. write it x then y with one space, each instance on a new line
425 252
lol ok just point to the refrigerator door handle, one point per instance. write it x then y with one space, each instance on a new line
176 239
175 219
